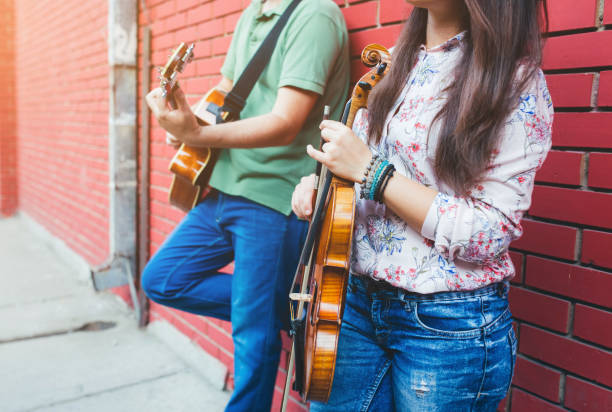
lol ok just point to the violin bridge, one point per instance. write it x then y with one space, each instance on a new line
300 297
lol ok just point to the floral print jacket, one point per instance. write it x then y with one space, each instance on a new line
463 244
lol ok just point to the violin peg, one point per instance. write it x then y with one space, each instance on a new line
381 68
365 85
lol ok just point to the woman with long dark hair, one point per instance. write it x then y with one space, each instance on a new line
444 162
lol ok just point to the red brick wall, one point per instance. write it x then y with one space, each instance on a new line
562 295
62 106
8 138
562 299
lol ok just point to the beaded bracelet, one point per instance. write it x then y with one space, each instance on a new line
381 167
378 196
366 181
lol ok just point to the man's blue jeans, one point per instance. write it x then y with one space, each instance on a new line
265 246
400 351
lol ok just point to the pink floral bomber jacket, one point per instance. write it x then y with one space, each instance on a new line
463 244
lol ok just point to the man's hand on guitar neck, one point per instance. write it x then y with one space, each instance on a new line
225 85
180 123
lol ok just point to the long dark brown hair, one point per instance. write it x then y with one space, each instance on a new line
501 36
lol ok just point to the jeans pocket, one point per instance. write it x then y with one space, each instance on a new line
454 318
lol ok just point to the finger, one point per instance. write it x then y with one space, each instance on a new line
180 99
331 124
316 155
329 134
307 204
157 103
295 204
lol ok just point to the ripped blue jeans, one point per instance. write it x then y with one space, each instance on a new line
400 351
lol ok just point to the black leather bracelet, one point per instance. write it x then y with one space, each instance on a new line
383 186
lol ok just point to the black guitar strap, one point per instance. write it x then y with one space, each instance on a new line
236 98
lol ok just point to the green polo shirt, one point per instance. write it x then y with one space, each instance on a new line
311 54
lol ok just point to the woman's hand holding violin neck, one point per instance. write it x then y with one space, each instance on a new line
343 153
181 123
302 199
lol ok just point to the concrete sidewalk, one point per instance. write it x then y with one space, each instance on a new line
64 347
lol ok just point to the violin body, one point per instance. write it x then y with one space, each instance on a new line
328 282
319 289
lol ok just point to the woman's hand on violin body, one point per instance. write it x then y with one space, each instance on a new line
302 199
180 123
343 153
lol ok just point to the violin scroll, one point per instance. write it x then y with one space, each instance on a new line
378 58
374 54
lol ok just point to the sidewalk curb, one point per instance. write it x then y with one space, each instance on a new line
209 367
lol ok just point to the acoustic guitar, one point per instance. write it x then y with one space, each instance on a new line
319 288
191 166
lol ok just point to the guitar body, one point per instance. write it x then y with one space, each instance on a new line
328 284
193 166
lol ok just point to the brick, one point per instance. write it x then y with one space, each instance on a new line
608 12
591 130
211 28
596 248
186 4
220 45
162 10
543 310
576 357
517 261
223 7
503 404
578 206
358 69
570 15
386 36
562 168
230 21
568 52
360 16
537 378
209 66
604 96
585 397
594 325
600 170
547 239
570 90
199 14
175 21
577 282
392 11
524 402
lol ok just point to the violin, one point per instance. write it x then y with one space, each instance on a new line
318 293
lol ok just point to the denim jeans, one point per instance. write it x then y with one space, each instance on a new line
401 351
265 246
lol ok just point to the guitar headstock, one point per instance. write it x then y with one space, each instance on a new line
175 65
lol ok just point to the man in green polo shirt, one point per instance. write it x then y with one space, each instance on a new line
247 218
